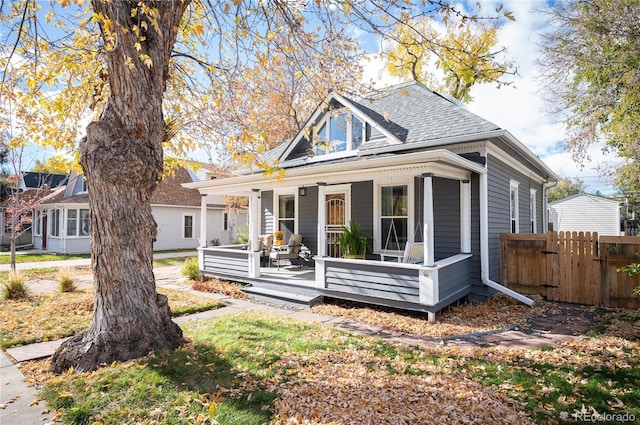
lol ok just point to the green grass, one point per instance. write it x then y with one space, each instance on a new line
225 371
33 258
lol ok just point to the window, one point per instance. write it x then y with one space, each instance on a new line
532 210
513 207
225 221
37 224
78 222
55 222
187 226
394 217
287 215
341 131
72 223
83 185
84 222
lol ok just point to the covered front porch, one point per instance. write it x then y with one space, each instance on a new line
427 198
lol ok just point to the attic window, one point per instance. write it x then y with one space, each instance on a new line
340 131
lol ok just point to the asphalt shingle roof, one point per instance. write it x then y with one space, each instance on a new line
413 113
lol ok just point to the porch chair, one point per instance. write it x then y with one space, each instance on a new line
292 252
413 253
266 242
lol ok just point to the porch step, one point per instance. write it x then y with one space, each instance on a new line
281 297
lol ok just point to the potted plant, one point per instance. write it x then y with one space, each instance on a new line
279 237
353 243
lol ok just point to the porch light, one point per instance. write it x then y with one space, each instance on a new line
302 191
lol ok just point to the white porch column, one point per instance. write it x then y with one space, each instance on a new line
254 219
428 235
322 220
203 220
465 216
254 232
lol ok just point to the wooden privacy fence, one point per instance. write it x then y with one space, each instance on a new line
575 267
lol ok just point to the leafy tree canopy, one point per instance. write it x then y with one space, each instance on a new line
465 53
591 58
566 187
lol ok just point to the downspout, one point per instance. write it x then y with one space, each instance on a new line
484 245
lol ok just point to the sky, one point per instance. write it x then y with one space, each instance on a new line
519 108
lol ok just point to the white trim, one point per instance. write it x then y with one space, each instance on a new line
513 163
533 210
514 207
378 184
276 207
440 162
465 216
323 109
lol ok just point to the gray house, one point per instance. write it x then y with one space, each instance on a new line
411 167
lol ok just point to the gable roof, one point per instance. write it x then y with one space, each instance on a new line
37 180
586 196
406 113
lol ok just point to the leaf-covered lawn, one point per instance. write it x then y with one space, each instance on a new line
50 316
30 258
255 368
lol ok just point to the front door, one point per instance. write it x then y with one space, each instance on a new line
337 214
45 231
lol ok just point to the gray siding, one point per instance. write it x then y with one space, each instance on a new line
226 263
454 279
362 207
266 212
446 215
308 219
373 280
499 177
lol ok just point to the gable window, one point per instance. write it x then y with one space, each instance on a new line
187 226
513 207
286 215
340 131
394 217
532 210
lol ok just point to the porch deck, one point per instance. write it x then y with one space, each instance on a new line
417 287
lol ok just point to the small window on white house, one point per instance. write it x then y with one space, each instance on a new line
187 226
55 222
72 222
513 207
84 222
533 210
225 221
36 223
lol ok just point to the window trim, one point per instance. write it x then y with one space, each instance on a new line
377 212
533 210
326 122
184 225
276 207
514 208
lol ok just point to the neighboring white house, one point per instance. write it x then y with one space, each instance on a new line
586 213
62 224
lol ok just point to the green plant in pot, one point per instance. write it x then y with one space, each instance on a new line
353 243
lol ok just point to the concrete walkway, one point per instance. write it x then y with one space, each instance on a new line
19 402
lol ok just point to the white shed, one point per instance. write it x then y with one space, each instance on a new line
586 213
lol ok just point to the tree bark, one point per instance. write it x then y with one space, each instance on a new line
121 157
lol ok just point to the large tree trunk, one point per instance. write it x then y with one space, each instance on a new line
122 161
